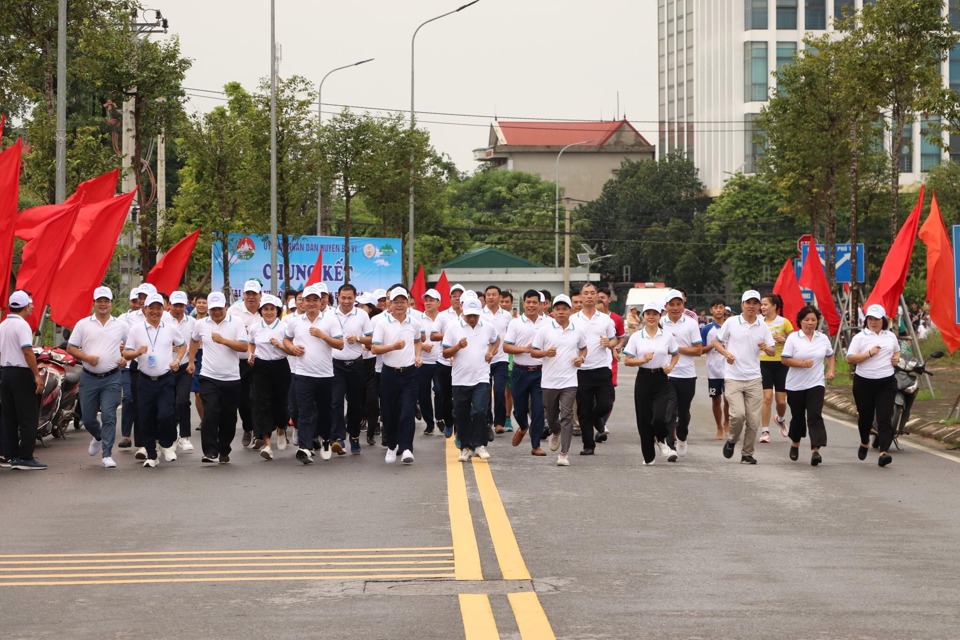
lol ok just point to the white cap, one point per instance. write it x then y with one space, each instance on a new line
380 293
322 287
179 297
216 300
653 306
673 293
252 285
134 293
19 299
469 295
457 287
146 289
314 290
397 292
543 298
876 311
269 298
472 308
102 292
367 298
751 294
561 299
292 303
432 293
153 297
728 309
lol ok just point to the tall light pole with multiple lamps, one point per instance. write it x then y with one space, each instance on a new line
556 205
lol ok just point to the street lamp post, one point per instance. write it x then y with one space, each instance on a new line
319 125
556 205
273 148
413 42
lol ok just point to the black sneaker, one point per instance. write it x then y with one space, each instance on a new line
224 459
885 459
209 458
304 456
257 444
247 438
124 443
371 441
794 453
747 459
815 459
5 463
728 448
428 430
862 452
586 452
32 464
601 436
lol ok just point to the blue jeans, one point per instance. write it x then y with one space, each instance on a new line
129 407
528 396
470 406
498 375
426 375
103 395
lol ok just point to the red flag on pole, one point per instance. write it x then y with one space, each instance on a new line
3 122
813 277
41 258
443 288
893 274
417 289
86 258
9 201
941 280
317 274
30 221
168 272
788 288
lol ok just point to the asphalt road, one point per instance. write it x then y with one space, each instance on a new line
605 548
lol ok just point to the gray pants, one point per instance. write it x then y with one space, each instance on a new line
746 399
558 410
101 395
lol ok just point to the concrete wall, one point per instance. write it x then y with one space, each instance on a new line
582 173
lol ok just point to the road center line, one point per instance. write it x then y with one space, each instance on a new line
505 544
531 618
477 614
466 553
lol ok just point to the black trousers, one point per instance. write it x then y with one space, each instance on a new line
219 424
445 393
313 402
426 375
875 398
594 401
472 405
271 388
183 382
349 381
21 412
371 396
682 391
398 398
155 410
246 395
806 412
651 397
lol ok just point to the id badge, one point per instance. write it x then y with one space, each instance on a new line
151 361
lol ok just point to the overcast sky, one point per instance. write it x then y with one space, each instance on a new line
563 59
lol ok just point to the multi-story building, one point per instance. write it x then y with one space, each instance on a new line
716 59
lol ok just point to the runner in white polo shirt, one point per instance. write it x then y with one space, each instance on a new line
595 377
446 418
683 377
247 311
428 386
184 381
500 319
349 378
526 385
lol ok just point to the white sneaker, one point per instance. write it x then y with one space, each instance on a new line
282 440
325 452
94 447
169 453
667 452
782 424
108 463
293 437
765 435
185 445
465 455
391 456
483 453
141 453
150 463
649 464
563 460
266 453
554 441
681 448
406 457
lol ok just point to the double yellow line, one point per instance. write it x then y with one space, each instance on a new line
475 609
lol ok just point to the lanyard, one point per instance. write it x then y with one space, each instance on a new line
153 343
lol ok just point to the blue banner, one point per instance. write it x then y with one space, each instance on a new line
375 263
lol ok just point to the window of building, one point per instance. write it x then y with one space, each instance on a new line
785 53
786 14
755 71
955 68
816 14
752 144
953 13
755 14
954 147
930 140
906 150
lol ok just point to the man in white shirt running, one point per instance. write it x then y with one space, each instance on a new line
595 376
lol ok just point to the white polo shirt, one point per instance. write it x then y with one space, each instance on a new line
101 340
878 366
559 371
687 334
520 333
800 347
317 358
185 327
500 320
261 335
742 339
390 330
600 325
160 341
470 366
248 318
15 335
356 323
662 345
219 361
444 319
716 363
426 325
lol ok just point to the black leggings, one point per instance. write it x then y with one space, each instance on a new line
875 397
651 395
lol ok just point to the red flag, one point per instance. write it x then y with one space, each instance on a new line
788 288
813 277
30 221
417 290
168 272
317 274
893 274
86 258
9 202
41 258
443 288
941 283
3 122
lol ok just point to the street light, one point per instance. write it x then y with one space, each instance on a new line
413 42
556 206
273 147
320 124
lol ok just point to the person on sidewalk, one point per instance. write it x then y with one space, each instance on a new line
271 374
595 376
682 376
526 386
740 340
97 342
20 386
183 384
349 377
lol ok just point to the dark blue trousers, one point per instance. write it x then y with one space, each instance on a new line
528 398
470 405
155 404
313 401
398 397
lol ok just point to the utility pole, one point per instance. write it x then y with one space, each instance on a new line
273 148
61 186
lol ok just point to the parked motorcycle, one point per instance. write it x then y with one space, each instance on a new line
907 372
59 401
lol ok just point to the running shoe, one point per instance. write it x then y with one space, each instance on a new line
782 424
765 435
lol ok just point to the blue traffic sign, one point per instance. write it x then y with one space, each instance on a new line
842 261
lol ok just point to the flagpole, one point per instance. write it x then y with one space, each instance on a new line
905 310
61 137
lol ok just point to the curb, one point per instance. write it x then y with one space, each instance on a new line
948 434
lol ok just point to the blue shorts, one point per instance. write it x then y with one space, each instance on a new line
715 387
195 385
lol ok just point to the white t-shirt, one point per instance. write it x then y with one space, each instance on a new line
101 340
161 342
317 358
219 361
663 345
686 331
559 372
716 363
185 327
444 319
520 333
743 339
500 320
800 347
355 323
593 328
878 366
390 330
470 366
261 335
15 335
426 325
